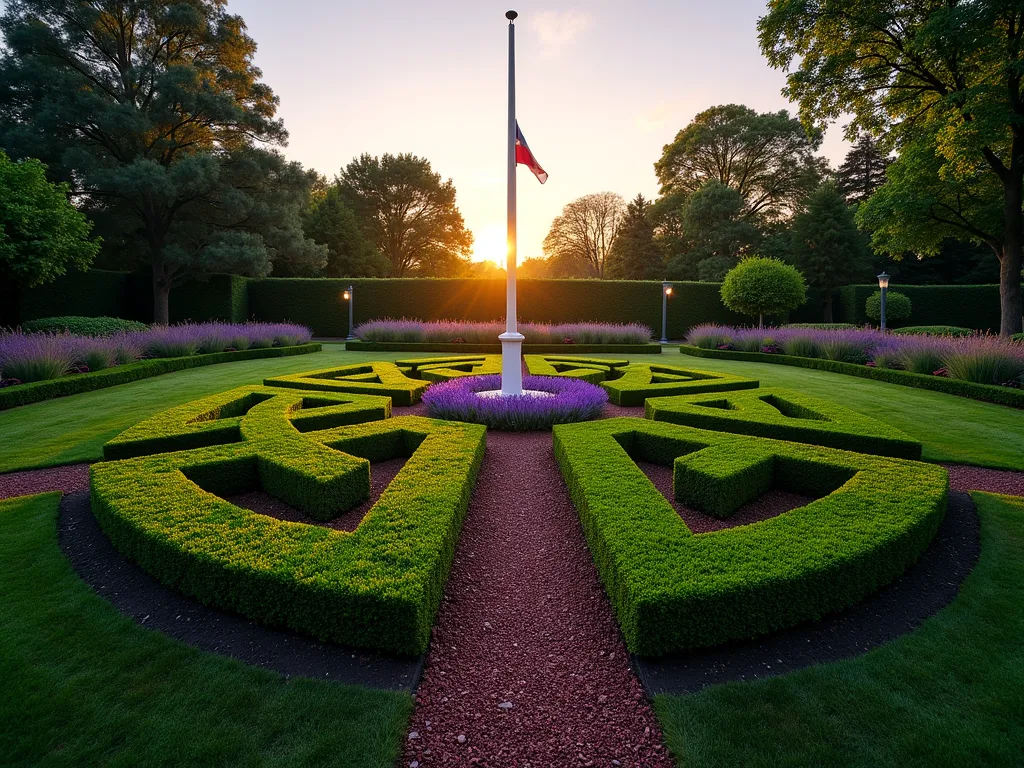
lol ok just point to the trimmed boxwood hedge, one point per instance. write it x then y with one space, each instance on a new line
367 378
933 330
988 393
378 587
37 391
82 326
590 369
675 591
217 420
642 380
785 415
446 368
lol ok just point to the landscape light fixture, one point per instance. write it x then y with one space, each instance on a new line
349 296
666 291
883 285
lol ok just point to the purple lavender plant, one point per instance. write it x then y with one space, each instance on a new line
571 400
447 331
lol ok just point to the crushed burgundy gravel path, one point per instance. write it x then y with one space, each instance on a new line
527 667
964 478
71 478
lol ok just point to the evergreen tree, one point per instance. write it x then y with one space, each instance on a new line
155 113
827 247
330 221
635 255
863 170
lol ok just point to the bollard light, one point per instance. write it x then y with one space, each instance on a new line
883 285
349 296
666 291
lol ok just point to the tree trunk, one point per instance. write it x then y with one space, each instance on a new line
1010 261
760 321
161 294
828 306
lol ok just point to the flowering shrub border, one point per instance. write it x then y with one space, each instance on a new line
783 414
38 391
573 399
447 331
987 393
675 591
377 587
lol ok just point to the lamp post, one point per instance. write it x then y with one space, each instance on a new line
349 296
666 291
883 285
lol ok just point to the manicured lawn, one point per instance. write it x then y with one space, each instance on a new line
949 694
73 429
952 429
83 685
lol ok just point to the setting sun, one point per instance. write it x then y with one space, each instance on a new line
491 245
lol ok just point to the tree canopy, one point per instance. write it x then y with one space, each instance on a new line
863 169
768 158
827 247
759 286
635 255
712 234
583 235
408 213
155 113
939 79
329 220
41 232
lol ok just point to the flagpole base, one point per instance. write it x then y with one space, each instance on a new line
511 363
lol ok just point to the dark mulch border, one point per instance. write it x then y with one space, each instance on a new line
152 605
926 588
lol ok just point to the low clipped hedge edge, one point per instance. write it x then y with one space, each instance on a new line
473 348
987 393
674 591
37 391
379 587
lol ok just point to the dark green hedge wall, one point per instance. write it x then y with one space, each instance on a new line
968 306
102 293
318 303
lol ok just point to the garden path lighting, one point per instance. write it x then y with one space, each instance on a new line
666 291
349 296
883 285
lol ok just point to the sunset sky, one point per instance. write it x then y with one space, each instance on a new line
602 87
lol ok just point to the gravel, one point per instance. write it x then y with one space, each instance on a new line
525 622
72 478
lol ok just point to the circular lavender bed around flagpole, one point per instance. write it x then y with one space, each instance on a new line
565 400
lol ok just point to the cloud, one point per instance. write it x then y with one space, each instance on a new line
557 30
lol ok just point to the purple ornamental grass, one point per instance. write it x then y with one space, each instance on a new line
446 331
27 357
980 358
457 400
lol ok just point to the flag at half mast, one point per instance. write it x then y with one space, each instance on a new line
525 157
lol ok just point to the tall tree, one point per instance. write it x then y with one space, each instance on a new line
154 112
635 254
863 169
409 214
714 234
827 246
583 235
768 158
940 74
41 232
329 220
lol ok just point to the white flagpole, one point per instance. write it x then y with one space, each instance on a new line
511 339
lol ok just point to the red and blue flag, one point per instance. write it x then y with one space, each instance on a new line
525 157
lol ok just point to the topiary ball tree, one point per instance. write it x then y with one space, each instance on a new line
897 306
761 286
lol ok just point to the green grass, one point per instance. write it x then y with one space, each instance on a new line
953 429
949 694
73 429
83 685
